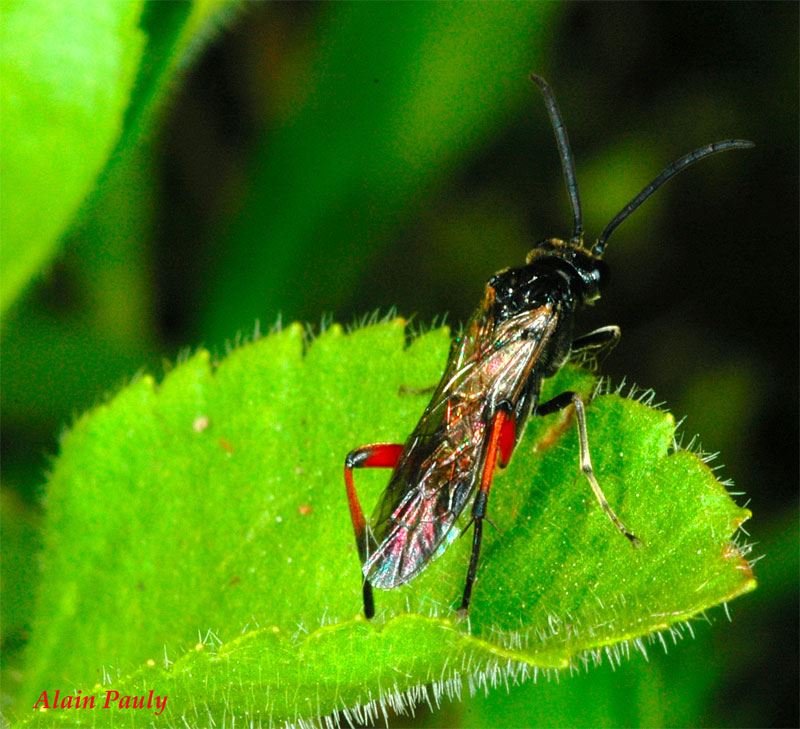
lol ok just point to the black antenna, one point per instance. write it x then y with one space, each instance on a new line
567 161
668 173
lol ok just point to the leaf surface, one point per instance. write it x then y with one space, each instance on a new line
81 83
198 542
68 69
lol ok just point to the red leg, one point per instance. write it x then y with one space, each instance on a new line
377 455
507 440
502 423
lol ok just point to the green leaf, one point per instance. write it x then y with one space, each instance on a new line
68 69
198 542
110 331
676 682
81 84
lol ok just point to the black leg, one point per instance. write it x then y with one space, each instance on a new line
559 402
473 567
478 515
499 426
599 342
369 601
377 455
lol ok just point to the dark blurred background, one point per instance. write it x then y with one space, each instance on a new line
334 159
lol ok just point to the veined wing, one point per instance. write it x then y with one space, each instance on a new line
443 458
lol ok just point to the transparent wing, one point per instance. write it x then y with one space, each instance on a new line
443 458
426 494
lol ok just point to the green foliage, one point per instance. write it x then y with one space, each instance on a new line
675 683
198 543
77 79
18 571
67 75
346 194
392 99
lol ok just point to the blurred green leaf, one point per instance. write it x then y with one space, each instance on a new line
19 573
610 179
204 522
103 328
394 97
77 81
19 525
68 69
88 366
175 34
633 694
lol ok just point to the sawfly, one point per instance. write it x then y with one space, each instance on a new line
521 333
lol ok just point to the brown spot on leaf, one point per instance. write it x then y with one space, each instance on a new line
552 435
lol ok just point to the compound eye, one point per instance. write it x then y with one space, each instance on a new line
602 275
595 280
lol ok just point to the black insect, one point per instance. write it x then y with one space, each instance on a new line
521 333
